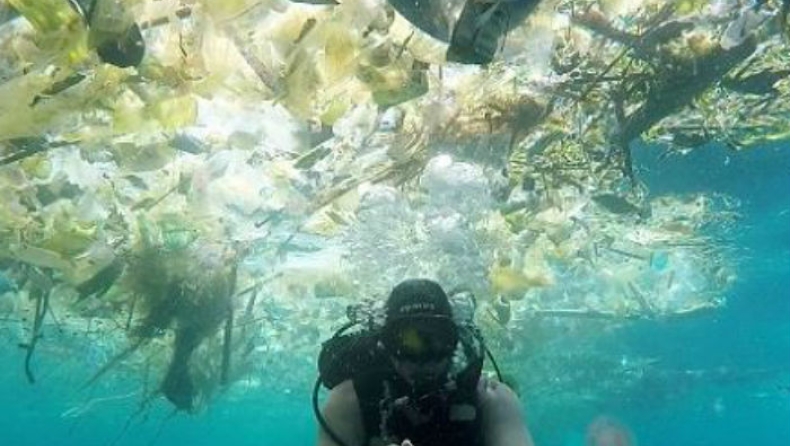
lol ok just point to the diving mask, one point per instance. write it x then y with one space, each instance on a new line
421 340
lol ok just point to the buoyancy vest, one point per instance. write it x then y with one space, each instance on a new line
391 413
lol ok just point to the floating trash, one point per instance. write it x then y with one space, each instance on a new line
209 185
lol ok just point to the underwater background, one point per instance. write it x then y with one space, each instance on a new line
204 188
722 378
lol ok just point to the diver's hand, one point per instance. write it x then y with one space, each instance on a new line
405 443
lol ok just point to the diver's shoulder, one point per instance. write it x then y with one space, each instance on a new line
345 393
491 391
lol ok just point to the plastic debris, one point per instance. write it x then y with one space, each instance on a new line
208 186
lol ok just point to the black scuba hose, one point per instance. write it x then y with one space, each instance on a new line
493 362
318 381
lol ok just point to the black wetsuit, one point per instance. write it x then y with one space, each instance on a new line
392 414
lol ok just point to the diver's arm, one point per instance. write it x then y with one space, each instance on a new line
502 421
343 416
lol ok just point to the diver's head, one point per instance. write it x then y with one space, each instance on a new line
419 333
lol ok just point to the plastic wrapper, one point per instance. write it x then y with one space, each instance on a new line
269 162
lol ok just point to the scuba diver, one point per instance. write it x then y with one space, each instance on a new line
415 380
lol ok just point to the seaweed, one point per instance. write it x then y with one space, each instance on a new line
171 291
616 204
178 386
115 360
176 293
40 290
682 84
24 147
228 332
102 281
760 83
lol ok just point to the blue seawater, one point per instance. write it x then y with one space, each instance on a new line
722 378
6 284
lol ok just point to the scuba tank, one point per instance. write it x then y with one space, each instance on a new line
348 352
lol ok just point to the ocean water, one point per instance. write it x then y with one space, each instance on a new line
719 378
746 344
